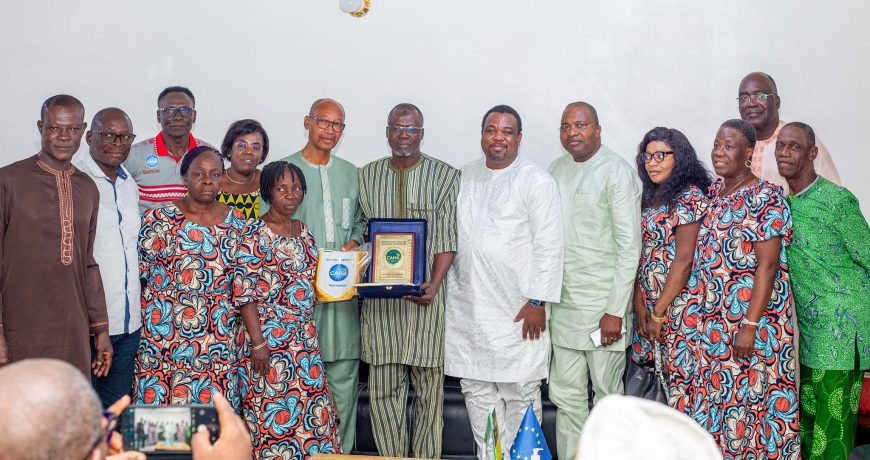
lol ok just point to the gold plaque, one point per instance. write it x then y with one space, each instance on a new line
393 260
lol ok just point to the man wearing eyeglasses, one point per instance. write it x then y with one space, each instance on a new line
51 293
115 249
154 163
601 217
508 268
409 185
332 213
758 103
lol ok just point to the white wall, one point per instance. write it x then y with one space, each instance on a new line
641 63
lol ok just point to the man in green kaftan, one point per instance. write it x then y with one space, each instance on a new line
331 210
829 258
600 195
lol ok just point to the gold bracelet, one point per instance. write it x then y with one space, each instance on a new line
259 346
658 319
751 323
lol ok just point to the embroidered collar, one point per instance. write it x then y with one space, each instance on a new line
65 205
408 169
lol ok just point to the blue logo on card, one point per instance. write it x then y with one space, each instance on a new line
152 161
338 272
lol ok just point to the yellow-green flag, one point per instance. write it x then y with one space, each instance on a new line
492 438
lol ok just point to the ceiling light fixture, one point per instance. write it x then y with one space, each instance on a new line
356 8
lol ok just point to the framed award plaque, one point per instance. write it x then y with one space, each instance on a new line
398 266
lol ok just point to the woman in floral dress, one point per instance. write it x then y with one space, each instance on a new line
743 389
674 181
282 382
186 260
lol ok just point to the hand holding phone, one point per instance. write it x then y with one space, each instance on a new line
166 430
115 446
234 442
596 336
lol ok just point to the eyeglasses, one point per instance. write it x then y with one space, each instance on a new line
74 130
323 123
109 138
111 423
410 130
170 112
578 126
107 428
658 156
242 145
757 97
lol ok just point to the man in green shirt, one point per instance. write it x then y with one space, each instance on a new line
403 339
829 257
331 210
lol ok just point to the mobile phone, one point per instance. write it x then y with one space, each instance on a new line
596 336
166 430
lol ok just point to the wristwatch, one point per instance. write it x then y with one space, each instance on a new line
536 303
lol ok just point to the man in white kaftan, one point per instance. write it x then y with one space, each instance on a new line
758 103
508 264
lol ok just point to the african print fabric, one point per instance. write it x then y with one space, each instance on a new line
829 412
750 406
187 350
247 203
658 249
289 411
830 270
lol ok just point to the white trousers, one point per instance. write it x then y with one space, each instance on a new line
510 400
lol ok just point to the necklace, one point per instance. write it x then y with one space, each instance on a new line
270 219
736 187
227 173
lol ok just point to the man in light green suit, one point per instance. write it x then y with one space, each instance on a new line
600 194
331 210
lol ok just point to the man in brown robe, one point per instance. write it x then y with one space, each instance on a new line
51 294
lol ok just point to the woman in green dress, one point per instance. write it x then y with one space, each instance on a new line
245 146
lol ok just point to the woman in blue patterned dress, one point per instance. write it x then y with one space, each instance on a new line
674 181
281 379
186 260
743 389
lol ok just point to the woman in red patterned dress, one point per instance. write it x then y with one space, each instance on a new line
674 181
743 389
186 260
281 380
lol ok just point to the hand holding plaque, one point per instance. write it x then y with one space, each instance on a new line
398 266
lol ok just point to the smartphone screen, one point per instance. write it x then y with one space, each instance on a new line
162 429
165 429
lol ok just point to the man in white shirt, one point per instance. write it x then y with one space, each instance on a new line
508 264
115 244
758 103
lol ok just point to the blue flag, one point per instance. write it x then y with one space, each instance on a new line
530 443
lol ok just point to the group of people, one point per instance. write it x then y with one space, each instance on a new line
155 267
149 434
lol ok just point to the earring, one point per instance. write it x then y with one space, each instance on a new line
748 163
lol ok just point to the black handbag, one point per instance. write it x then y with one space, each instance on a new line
646 380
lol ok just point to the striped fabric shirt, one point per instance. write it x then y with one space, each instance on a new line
156 171
397 331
